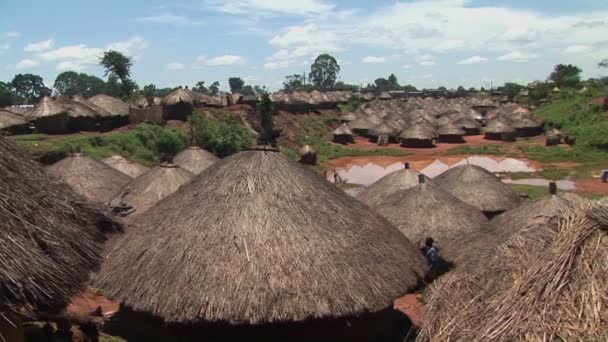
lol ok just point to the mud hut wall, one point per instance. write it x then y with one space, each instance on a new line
152 114
417 143
343 139
179 111
56 124
451 139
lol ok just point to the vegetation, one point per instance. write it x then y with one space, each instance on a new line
350 106
511 90
566 75
219 132
118 65
268 135
533 192
236 84
29 88
324 72
71 83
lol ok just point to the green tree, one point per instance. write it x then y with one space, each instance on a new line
293 82
214 88
248 90
566 75
393 82
113 87
604 63
258 89
7 96
236 84
461 92
219 132
119 65
200 87
409 87
149 90
382 84
324 71
268 135
70 83
29 87
511 89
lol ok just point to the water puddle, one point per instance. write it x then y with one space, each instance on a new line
566 185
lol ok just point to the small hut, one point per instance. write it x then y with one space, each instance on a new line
470 126
12 123
125 166
417 136
146 190
389 184
308 155
94 180
195 159
117 109
526 127
553 137
348 117
81 116
480 188
450 133
361 126
259 239
50 242
499 130
48 116
179 104
343 135
383 130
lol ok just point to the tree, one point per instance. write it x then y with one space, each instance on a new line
472 90
461 92
393 82
293 82
214 88
409 87
268 135
113 87
442 88
258 89
70 83
511 89
566 75
119 65
7 96
382 84
324 71
200 87
236 84
29 87
248 90
149 90
603 64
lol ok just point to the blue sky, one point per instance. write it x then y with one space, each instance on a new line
427 43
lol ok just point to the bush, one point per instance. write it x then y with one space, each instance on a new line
219 132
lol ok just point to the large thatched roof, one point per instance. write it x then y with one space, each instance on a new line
195 159
342 130
112 105
45 108
426 210
180 96
479 188
98 110
8 119
126 166
383 129
76 109
50 238
418 132
259 238
450 129
498 126
146 190
540 282
389 184
94 180
361 123
350 116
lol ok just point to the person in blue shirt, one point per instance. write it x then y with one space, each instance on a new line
431 252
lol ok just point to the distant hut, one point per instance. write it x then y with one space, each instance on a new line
126 166
389 184
348 117
385 96
556 90
48 116
343 135
361 126
553 137
383 130
450 133
81 116
499 130
259 239
179 104
117 109
417 136
195 159
376 120
426 210
479 188
94 180
470 126
143 192
12 123
308 155
50 242
527 127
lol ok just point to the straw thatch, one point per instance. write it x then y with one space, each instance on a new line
388 185
361 125
98 110
95 181
47 107
348 117
426 210
146 190
259 238
499 130
125 166
50 238
76 109
383 129
543 282
112 105
479 188
469 125
8 119
343 130
179 96
195 159
450 129
417 132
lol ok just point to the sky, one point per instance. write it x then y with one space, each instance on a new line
427 43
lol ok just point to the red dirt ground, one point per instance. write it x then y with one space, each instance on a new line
86 302
594 185
412 306
473 140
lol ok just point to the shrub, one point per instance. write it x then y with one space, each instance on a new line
219 132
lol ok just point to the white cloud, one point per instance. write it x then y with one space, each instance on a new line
474 60
226 60
39 46
448 45
373 59
170 19
79 52
13 34
406 66
294 7
273 65
518 56
175 66
133 46
26 64
574 49
427 63
69 66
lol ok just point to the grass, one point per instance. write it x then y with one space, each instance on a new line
551 173
533 192
486 149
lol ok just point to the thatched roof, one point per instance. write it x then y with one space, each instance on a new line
466 123
479 188
195 159
498 126
45 108
76 109
383 129
526 123
146 190
307 149
426 210
350 116
180 96
342 130
360 123
8 119
420 132
98 110
374 119
389 184
450 129
50 238
112 105
94 180
125 166
260 238
540 282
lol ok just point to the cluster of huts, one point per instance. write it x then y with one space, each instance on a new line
421 122
258 246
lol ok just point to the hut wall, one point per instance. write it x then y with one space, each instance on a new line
417 143
361 132
179 111
112 122
83 124
471 131
152 114
529 132
343 139
16 129
56 124
451 139
309 159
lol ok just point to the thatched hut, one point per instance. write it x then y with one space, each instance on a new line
258 238
426 210
479 188
118 111
308 155
50 242
361 126
499 130
195 159
470 126
389 184
48 116
450 133
348 117
12 123
94 180
526 127
126 166
179 104
385 130
537 279
417 136
81 116
343 135
143 192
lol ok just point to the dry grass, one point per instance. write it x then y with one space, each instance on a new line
377 193
195 159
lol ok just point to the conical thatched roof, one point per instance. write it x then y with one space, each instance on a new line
383 129
479 188
98 110
498 126
526 123
179 96
450 129
374 119
146 190
125 166
420 132
94 180
389 184
307 149
50 238
350 116
343 130
259 238
112 105
195 159
466 123
426 210
45 108
361 123
76 109
8 119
